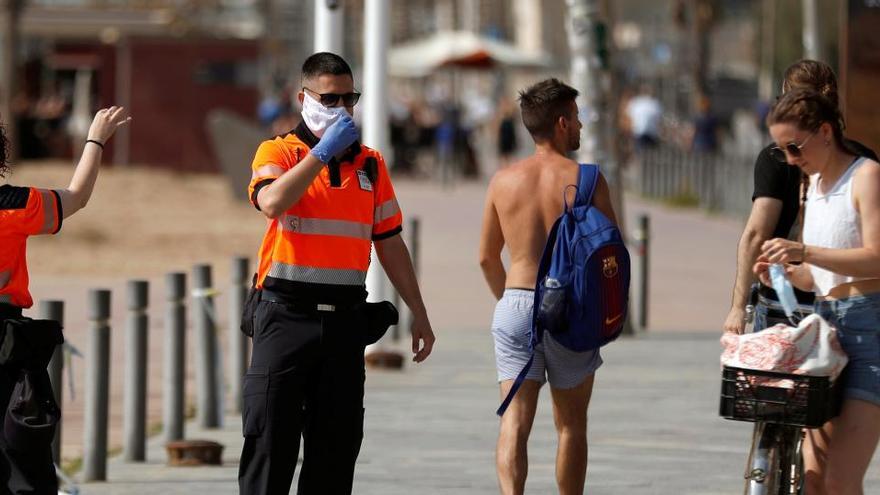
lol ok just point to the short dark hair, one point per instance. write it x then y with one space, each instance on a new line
543 103
322 63
4 152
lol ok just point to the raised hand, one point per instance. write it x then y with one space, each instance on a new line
105 123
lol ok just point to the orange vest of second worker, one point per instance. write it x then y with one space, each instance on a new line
24 211
324 239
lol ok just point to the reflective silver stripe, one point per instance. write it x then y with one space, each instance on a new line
386 210
50 211
321 226
270 170
4 278
6 298
333 276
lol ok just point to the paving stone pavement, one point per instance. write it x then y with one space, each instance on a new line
690 252
431 429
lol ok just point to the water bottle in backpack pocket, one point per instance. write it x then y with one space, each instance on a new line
552 312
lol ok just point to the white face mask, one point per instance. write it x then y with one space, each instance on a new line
783 288
318 117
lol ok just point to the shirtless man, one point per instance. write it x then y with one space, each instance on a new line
522 203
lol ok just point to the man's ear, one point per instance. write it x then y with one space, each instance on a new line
562 123
301 96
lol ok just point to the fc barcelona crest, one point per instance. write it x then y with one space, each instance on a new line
609 266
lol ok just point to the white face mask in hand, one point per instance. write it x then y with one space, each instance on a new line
783 288
318 117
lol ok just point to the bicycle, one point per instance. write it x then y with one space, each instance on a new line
781 405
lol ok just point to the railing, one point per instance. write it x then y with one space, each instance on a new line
715 182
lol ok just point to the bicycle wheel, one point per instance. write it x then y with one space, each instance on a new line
763 469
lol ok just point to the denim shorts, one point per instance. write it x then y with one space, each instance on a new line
562 367
857 320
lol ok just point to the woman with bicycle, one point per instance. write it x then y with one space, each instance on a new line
26 464
839 259
776 205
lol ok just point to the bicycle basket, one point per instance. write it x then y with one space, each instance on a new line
781 398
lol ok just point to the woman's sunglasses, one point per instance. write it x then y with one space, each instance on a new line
793 149
331 99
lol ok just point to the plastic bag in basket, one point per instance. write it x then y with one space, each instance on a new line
811 348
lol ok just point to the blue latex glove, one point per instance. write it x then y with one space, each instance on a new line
336 139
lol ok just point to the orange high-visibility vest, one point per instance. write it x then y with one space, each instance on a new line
24 211
321 245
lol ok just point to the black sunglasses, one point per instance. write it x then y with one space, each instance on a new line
793 149
331 99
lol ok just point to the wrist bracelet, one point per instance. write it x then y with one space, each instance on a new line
99 143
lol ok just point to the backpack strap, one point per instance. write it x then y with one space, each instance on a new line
537 332
588 177
547 257
516 384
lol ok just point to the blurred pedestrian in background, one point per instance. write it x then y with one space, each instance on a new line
705 127
645 113
506 123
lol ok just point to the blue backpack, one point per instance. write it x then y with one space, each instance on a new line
582 288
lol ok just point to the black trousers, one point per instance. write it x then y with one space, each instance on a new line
306 379
30 470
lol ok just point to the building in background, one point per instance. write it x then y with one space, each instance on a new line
173 61
169 62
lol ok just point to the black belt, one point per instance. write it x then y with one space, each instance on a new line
8 311
804 298
767 292
304 306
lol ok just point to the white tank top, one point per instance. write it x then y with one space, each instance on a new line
831 221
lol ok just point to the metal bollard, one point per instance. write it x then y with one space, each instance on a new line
54 310
238 346
206 341
97 388
406 316
135 399
175 356
644 237
402 311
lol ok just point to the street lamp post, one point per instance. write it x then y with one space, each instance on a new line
812 38
328 26
590 59
377 39
583 16
10 14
